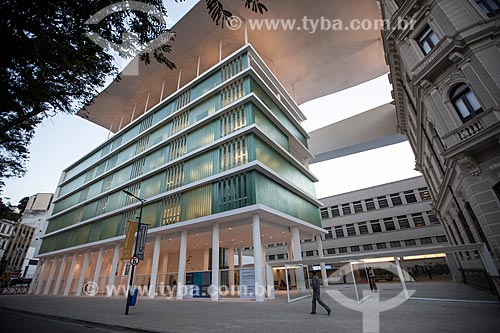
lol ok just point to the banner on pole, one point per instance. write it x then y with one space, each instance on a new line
141 238
128 246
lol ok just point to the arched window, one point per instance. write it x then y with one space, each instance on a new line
465 102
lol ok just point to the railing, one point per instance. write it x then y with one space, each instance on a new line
478 279
476 125
470 130
15 290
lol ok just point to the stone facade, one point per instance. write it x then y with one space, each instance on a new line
446 78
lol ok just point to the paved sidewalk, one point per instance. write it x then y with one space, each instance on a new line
160 315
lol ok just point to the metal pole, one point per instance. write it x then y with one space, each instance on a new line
132 269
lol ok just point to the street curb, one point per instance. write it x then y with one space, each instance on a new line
80 321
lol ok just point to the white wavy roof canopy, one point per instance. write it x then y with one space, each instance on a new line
309 65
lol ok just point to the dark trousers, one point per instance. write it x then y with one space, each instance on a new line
373 286
317 297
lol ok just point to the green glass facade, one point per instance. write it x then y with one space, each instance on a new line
195 155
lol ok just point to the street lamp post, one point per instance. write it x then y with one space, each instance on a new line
132 269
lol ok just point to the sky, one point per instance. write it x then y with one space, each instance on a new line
63 139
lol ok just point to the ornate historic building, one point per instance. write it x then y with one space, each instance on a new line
446 78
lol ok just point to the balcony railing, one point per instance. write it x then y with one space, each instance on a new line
472 128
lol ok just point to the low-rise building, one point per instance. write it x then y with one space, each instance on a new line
35 216
379 218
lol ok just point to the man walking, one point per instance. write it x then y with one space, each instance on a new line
316 295
371 279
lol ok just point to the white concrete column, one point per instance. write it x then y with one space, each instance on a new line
264 254
401 277
240 257
164 263
112 272
154 267
297 255
452 265
98 266
51 276
36 279
69 279
181 275
59 275
40 277
257 259
488 262
231 268
296 248
214 294
82 274
270 282
324 276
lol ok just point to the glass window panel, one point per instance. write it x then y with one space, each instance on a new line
150 214
159 135
363 228
125 154
351 231
410 242
130 133
204 109
206 85
462 108
433 37
278 163
339 232
267 126
261 94
82 165
114 202
163 113
121 176
110 227
201 137
425 240
426 47
196 203
152 186
267 191
89 210
201 166
376 226
473 100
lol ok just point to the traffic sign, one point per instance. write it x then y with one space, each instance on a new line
134 261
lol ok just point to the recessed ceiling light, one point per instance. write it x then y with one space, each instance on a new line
282 232
271 237
230 228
